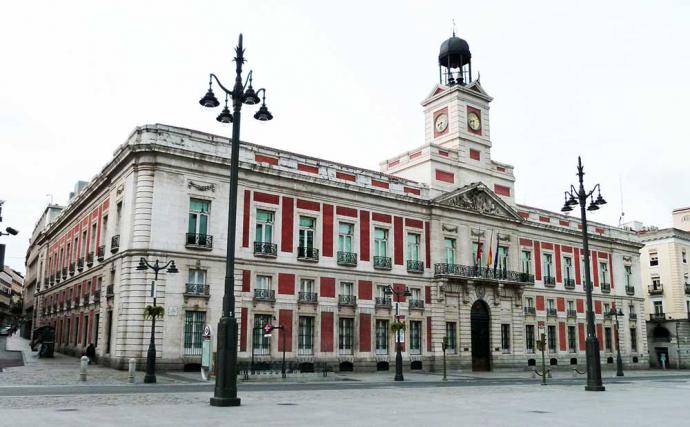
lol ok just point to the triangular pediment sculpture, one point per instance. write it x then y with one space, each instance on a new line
479 198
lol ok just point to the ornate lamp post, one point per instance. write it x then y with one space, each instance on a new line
225 393
388 290
144 265
615 312
575 196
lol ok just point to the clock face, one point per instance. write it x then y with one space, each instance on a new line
441 122
473 121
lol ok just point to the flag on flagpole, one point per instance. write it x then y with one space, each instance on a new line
478 261
490 258
497 254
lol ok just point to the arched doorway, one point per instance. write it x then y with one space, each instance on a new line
481 342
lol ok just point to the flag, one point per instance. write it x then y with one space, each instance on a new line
497 254
478 261
490 258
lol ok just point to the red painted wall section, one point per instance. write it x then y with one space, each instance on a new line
326 331
578 273
414 223
246 280
428 333
560 304
581 333
580 305
345 211
600 335
611 270
288 221
399 289
561 336
427 295
307 168
381 217
444 176
475 154
244 318
327 249
286 283
245 219
597 307
308 205
364 332
266 198
285 320
364 229
398 240
525 242
327 287
502 190
265 159
427 243
595 268
364 290
540 303
559 275
537 261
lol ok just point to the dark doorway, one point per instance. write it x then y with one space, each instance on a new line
481 350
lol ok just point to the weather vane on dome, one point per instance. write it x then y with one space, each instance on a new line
453 27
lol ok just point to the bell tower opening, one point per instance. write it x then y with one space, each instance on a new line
455 62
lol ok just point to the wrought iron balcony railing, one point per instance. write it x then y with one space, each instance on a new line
551 312
347 258
630 290
307 254
115 244
349 300
549 281
605 287
68 304
569 283
382 262
64 272
265 249
198 241
572 314
264 295
415 304
80 264
89 259
608 315
307 297
72 268
100 253
656 289
414 266
46 281
530 311
383 302
196 289
77 300
58 277
473 272
656 317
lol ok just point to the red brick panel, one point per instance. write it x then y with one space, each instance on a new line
364 290
244 314
611 270
288 217
524 215
537 261
327 287
560 304
286 283
379 184
381 217
326 331
578 273
415 155
410 190
265 159
427 295
559 276
595 268
399 289
80 332
540 303
344 211
597 307
413 223
580 305
581 333
364 231
398 242
308 205
502 190
561 336
307 168
544 219
364 332
525 242
266 198
91 316
445 176
475 154
442 153
345 176
327 249
246 281
285 320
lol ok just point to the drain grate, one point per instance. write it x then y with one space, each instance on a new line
287 404
67 410
540 412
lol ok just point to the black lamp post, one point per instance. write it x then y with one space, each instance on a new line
388 290
574 197
225 393
619 361
144 265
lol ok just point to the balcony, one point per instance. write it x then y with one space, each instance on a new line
97 296
58 277
530 311
605 287
415 304
52 279
473 272
657 289
347 300
115 244
572 314
80 264
382 262
64 272
89 259
264 295
199 241
72 268
100 253
348 259
382 302
68 304
632 316
657 317
549 281
687 289
569 283
630 290
196 289
551 312
77 301
265 249
307 254
109 292
414 266
608 315
46 281
307 297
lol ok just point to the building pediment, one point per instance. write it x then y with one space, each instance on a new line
478 198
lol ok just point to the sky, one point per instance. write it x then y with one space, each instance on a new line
604 80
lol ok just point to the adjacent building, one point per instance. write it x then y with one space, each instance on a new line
320 242
11 289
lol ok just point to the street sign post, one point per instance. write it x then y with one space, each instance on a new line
206 353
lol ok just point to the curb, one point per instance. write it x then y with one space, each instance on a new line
16 351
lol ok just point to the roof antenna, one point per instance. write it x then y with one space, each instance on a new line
620 186
453 27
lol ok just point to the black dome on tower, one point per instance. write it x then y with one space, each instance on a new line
455 62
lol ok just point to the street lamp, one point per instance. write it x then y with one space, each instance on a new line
619 361
225 392
399 292
574 197
144 265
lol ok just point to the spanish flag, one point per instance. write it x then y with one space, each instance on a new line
490 258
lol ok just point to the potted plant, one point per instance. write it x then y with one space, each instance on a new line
397 326
151 311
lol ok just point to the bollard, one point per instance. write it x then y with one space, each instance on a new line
82 370
132 368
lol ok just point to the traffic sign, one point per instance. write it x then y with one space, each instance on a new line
268 328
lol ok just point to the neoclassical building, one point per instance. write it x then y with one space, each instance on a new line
318 244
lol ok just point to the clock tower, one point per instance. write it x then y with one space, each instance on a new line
457 149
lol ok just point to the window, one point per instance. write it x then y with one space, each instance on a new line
529 302
306 286
198 216
346 288
416 294
505 337
684 257
260 343
94 228
631 307
118 217
550 304
264 226
345 233
502 255
551 338
451 339
656 283
196 282
345 335
529 338
194 322
603 272
381 336
633 339
658 307
607 308
449 246
381 291
413 246
628 275
306 235
104 231
415 337
653 259
526 261
568 269
380 242
607 339
548 267
83 244
306 335
263 282
572 340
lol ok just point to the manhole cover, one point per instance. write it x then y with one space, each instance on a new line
67 410
540 412
287 404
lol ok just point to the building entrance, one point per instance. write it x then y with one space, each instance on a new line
481 350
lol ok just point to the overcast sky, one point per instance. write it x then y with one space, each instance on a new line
605 80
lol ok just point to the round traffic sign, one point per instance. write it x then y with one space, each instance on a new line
268 328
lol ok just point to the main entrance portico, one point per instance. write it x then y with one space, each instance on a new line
481 350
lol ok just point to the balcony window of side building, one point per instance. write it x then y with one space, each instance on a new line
264 227
572 340
413 246
306 335
196 282
416 294
502 255
261 344
653 259
381 336
449 247
529 338
607 340
194 322
345 335
380 242
658 308
526 261
345 236
628 275
415 337
306 286
633 339
505 337
451 338
548 266
603 272
198 221
551 338
263 290
568 269
307 225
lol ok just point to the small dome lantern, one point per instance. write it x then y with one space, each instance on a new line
455 62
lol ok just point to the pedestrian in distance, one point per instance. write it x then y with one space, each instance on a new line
91 353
